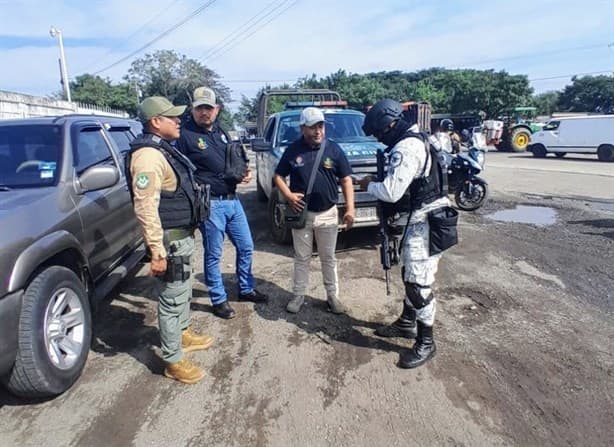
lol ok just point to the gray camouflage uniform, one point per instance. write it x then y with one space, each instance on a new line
407 162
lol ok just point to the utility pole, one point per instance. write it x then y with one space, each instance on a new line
54 32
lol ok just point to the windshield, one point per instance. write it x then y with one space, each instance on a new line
29 155
341 127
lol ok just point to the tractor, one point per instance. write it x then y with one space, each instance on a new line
518 126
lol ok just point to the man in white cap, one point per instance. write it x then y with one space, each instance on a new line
206 144
333 168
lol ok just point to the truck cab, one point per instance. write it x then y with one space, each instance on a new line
343 126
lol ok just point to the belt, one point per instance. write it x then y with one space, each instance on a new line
175 234
223 197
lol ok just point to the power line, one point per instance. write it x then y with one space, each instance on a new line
131 35
235 42
182 22
230 36
571 75
543 53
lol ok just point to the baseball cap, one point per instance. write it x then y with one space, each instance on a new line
158 106
203 96
311 116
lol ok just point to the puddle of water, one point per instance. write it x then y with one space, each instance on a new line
603 206
536 215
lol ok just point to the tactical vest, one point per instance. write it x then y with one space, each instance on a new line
422 190
427 188
177 209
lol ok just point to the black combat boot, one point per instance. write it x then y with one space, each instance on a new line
404 326
423 349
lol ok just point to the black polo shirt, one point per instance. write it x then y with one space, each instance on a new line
297 162
207 150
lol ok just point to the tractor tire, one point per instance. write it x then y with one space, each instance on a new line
519 139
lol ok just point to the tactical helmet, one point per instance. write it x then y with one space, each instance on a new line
446 124
380 116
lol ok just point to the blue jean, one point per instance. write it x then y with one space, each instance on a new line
227 217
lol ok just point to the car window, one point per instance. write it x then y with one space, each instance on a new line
91 149
551 125
344 126
268 132
122 139
288 130
30 155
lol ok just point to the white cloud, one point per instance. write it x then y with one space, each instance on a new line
313 37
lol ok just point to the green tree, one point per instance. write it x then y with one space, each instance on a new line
175 76
546 102
90 89
588 94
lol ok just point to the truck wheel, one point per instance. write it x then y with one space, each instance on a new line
519 139
55 332
260 195
560 154
539 150
279 231
605 152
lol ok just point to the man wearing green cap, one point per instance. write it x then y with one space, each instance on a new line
166 202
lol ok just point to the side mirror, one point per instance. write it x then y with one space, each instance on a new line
260 145
97 177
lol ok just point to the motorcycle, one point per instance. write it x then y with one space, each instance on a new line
470 191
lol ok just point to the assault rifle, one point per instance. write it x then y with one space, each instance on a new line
389 248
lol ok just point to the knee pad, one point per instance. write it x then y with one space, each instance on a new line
419 296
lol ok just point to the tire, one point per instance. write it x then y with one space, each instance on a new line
260 195
519 139
477 198
55 333
279 231
605 152
560 154
539 151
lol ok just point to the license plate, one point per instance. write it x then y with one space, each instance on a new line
366 213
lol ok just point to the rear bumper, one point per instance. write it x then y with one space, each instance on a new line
10 309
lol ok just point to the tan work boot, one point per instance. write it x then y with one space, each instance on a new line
335 306
295 304
184 371
191 341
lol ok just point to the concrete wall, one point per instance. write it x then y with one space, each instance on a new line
16 105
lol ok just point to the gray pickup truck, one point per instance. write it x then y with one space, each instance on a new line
68 236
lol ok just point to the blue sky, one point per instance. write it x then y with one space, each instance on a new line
250 43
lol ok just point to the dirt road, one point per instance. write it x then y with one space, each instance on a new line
524 334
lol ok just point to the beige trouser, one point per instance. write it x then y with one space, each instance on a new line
324 225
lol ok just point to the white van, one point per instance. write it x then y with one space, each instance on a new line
590 134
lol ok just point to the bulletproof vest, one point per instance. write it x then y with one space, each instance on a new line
177 208
423 190
427 188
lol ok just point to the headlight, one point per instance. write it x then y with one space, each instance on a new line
480 158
